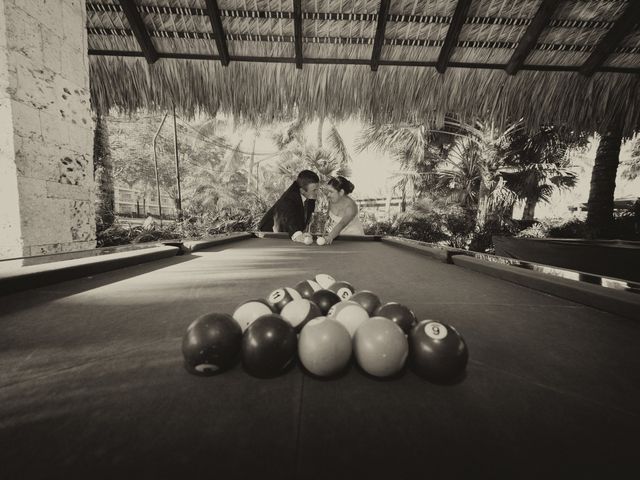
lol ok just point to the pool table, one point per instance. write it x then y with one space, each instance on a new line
92 383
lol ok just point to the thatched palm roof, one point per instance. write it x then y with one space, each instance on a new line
574 62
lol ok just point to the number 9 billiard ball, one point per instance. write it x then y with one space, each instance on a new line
437 351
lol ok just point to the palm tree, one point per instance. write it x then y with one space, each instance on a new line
421 149
603 184
458 176
219 188
103 174
297 153
416 147
536 164
485 143
416 150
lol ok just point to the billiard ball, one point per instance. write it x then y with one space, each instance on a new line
211 344
280 297
325 299
307 287
398 314
308 240
381 347
321 241
325 280
268 346
324 347
344 289
438 351
369 301
299 312
246 313
350 314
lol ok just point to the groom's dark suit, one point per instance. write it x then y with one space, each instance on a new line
288 214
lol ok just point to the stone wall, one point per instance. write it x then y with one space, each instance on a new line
46 142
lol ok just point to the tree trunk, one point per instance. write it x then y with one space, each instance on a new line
403 203
483 200
603 185
529 209
103 175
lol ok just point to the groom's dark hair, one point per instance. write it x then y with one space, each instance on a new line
306 177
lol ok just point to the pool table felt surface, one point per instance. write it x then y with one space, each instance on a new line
92 381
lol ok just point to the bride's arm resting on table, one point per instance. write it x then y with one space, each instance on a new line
349 215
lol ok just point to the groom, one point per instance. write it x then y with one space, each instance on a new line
292 212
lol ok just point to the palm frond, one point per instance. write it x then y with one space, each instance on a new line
338 147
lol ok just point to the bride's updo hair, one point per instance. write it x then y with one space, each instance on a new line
341 183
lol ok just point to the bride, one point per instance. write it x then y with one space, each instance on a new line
343 211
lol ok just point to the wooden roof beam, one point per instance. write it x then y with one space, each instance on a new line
620 29
450 42
218 31
297 31
361 61
139 30
380 29
530 38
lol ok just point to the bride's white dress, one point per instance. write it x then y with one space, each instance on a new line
354 227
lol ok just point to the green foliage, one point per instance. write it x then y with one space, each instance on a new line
225 220
124 234
571 229
623 227
537 230
373 227
426 227
482 237
201 158
631 167
428 222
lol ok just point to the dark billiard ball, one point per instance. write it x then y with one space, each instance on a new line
325 299
268 346
438 351
344 290
368 300
211 344
398 314
280 297
307 287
